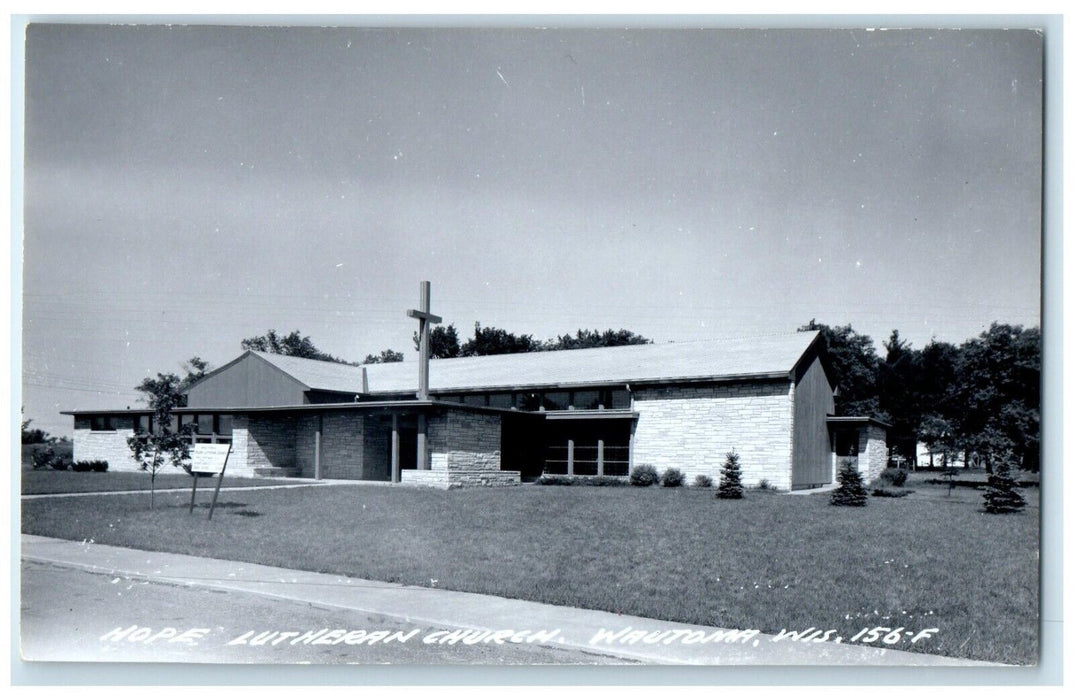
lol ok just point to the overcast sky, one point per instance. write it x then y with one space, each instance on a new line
187 187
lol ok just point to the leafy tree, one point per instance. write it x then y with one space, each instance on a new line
496 341
854 362
32 436
995 395
443 342
163 446
596 339
851 491
730 478
294 344
388 355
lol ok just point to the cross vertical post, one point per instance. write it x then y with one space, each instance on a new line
425 320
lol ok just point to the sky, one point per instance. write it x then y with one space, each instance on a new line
188 187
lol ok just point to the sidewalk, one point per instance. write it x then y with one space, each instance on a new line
450 610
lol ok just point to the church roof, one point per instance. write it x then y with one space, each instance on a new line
699 360
733 358
316 374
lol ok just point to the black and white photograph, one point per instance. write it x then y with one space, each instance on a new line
549 344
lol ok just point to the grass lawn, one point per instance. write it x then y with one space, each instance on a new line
767 562
51 481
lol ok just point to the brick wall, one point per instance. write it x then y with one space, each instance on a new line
465 441
692 428
459 478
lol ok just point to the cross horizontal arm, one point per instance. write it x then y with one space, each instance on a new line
425 315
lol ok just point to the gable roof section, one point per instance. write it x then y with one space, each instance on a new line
770 356
316 374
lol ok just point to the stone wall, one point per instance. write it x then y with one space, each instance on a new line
466 441
692 428
342 445
872 452
459 478
376 450
270 443
109 445
306 425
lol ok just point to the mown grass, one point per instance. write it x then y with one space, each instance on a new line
769 561
48 481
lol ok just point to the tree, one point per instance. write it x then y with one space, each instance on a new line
851 491
1001 496
32 436
596 339
995 395
388 355
496 341
898 395
854 362
730 478
443 342
294 344
157 448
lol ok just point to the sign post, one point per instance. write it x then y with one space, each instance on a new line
208 460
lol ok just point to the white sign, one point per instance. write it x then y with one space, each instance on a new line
208 458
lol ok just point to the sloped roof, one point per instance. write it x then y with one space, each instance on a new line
711 359
715 359
316 374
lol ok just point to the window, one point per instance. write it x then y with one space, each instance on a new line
474 400
144 425
205 424
586 400
528 401
224 424
102 423
501 400
616 398
555 401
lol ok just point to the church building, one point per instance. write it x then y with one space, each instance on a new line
503 419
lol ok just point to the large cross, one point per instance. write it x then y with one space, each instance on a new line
425 320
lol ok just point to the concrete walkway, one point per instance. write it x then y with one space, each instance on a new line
573 628
210 488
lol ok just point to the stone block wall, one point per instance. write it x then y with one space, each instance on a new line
460 478
270 442
467 441
305 444
692 428
109 445
342 445
376 450
872 452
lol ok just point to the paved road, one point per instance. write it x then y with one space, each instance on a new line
68 613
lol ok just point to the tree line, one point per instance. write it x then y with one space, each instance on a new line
981 397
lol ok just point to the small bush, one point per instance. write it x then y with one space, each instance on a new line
96 465
894 477
42 459
673 477
763 485
886 492
644 475
703 481
1001 496
730 478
